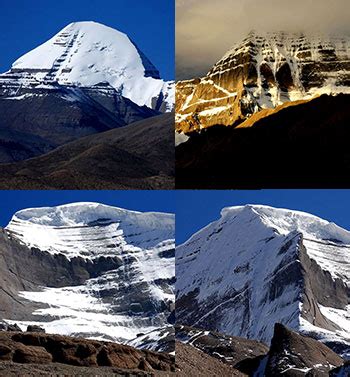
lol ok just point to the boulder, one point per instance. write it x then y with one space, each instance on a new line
34 328
31 355
14 327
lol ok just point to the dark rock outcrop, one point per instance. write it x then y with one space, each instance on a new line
238 352
34 328
8 327
292 354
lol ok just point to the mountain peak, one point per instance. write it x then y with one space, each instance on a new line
92 263
55 229
286 221
88 53
258 262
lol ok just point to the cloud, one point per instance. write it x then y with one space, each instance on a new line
206 29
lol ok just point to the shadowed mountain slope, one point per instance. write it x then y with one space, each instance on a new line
301 146
138 156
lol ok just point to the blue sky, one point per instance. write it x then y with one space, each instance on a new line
12 201
149 23
195 209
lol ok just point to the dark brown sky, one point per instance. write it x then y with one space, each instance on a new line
206 29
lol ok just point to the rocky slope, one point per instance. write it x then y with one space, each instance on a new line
240 353
113 267
290 354
137 156
261 72
258 265
40 353
301 146
192 362
37 122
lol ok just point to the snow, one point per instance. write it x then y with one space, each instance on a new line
71 229
88 53
327 336
341 318
152 339
88 230
74 310
213 111
272 50
235 259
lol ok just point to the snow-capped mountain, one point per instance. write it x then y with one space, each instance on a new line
258 265
92 55
264 71
111 271
87 79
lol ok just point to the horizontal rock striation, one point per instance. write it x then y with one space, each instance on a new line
262 72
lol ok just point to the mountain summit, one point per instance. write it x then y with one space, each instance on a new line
86 54
87 79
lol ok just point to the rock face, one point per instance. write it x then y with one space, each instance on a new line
37 348
258 265
64 268
263 71
42 119
292 354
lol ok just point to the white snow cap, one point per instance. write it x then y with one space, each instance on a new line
75 229
89 53
286 221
